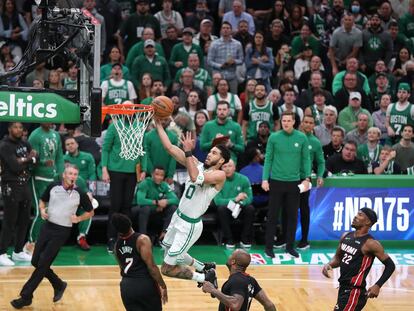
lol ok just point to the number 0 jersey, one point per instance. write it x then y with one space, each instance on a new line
354 264
196 198
129 258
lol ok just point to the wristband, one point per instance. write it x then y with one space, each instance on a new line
188 154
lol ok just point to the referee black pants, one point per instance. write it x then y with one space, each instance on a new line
16 215
52 237
284 196
121 195
140 294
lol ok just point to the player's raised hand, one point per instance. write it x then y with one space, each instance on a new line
373 291
187 141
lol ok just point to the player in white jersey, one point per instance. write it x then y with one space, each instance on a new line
205 181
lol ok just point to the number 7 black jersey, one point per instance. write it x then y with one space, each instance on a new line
129 259
242 284
354 264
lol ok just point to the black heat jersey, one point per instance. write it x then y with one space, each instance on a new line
129 258
354 264
242 284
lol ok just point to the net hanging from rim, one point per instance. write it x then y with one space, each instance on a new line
130 121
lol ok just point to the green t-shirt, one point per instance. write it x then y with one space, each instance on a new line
156 155
111 149
230 128
148 190
364 154
232 187
85 162
138 49
287 156
49 147
316 155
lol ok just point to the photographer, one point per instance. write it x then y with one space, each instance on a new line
16 156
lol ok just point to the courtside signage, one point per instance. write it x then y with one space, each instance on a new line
332 211
37 107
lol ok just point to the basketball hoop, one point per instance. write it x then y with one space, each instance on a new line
130 121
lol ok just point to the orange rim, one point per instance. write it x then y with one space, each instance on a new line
121 109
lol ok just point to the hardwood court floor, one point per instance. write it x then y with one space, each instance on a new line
291 288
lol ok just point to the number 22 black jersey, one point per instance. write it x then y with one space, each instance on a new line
354 264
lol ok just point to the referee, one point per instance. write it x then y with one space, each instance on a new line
16 156
287 158
62 200
239 290
142 286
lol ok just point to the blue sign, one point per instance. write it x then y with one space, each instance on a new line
332 211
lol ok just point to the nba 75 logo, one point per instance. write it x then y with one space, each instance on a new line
257 259
393 212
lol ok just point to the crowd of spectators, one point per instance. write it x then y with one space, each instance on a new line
232 68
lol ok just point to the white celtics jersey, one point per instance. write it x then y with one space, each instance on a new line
196 198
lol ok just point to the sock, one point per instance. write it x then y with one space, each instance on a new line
199 266
198 277
187 260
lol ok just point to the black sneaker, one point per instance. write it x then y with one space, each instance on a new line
269 253
207 266
292 252
210 276
110 246
279 244
20 303
58 293
302 245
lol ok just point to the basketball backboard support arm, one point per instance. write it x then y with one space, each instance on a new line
90 97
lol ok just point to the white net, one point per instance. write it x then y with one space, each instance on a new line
131 129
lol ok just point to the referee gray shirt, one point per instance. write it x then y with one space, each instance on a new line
63 203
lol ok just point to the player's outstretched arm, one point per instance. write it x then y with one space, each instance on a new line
374 247
335 261
173 150
265 301
234 302
145 249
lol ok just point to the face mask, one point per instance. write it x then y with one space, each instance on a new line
355 8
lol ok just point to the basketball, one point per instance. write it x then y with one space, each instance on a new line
163 106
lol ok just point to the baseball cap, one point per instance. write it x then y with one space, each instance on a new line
188 30
117 64
149 42
372 216
142 1
205 21
381 74
404 86
354 95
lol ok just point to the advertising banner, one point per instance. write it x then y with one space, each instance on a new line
332 211
37 107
